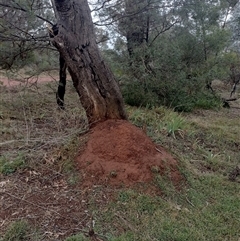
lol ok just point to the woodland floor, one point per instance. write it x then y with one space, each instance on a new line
113 155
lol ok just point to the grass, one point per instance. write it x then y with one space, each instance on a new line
78 237
17 231
10 166
30 120
36 134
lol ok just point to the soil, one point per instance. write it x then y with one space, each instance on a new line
120 154
24 82
117 154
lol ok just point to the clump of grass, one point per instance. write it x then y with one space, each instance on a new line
77 237
10 166
207 101
17 231
176 125
159 120
211 157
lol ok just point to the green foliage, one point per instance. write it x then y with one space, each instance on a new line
167 80
8 167
17 231
12 56
77 237
208 101
175 125
128 236
22 33
173 68
135 94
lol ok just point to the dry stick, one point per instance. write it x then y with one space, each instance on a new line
158 150
26 122
7 142
190 202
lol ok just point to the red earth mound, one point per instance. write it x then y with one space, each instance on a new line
118 153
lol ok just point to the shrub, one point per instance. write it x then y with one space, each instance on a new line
135 94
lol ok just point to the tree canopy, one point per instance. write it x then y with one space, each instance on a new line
162 52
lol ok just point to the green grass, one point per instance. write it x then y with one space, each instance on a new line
78 237
8 167
208 208
17 231
206 146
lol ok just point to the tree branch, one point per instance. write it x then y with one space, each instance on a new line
24 10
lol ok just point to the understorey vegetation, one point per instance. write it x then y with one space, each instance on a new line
43 197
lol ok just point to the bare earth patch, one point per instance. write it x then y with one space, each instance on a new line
24 82
52 208
118 153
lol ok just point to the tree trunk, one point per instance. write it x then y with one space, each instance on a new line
136 24
96 86
62 82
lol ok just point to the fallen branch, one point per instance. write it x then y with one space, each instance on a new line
232 99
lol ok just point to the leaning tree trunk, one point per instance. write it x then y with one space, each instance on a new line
75 40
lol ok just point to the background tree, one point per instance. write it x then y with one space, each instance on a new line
162 52
179 48
23 33
235 27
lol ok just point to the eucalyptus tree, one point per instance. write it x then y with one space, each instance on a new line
206 20
140 22
235 27
23 25
75 39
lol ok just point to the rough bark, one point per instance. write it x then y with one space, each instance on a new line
97 88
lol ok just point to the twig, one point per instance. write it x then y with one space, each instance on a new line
190 202
7 142
158 150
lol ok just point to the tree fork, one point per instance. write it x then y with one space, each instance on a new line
76 41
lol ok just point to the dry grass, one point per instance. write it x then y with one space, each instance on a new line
39 141
31 123
41 195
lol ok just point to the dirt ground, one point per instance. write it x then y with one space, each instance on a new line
117 155
120 154
25 81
